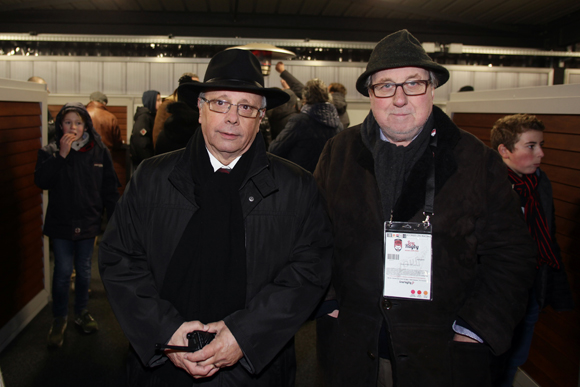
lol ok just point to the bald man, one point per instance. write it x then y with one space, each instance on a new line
49 119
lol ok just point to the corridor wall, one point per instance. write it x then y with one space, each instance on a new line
24 274
554 356
131 76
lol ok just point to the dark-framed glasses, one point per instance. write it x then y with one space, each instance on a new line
386 90
221 106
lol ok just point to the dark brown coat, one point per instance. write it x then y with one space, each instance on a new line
483 264
105 124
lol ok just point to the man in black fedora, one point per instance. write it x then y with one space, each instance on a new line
432 259
219 237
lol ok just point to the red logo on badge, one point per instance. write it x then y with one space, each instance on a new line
398 244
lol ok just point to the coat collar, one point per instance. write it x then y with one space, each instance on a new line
412 198
181 177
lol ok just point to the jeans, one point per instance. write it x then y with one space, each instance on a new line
67 252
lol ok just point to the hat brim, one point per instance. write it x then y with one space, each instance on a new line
441 73
274 96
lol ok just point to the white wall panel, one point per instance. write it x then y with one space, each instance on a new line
506 80
529 79
557 99
114 78
574 78
459 79
67 77
91 77
272 80
328 74
21 70
348 76
161 78
138 78
180 68
201 69
47 71
484 80
302 73
133 76
442 92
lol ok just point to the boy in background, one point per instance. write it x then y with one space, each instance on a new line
519 139
77 170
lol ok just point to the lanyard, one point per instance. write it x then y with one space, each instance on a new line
430 185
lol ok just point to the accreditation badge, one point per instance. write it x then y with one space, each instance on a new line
408 260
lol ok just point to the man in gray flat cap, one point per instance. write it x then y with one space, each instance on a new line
105 122
432 258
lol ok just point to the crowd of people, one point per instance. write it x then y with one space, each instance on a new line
424 255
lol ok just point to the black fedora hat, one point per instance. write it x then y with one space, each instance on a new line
400 49
237 70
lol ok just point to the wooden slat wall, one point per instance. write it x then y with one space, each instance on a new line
119 156
21 262
555 353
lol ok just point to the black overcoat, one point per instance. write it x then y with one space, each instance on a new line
288 248
483 264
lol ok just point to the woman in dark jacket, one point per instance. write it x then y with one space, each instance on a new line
305 135
78 173
141 142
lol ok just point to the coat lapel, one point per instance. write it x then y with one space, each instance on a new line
181 177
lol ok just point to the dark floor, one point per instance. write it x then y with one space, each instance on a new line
98 359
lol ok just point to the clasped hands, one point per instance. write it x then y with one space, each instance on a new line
223 351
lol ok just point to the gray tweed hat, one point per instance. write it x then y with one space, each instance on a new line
400 49
99 97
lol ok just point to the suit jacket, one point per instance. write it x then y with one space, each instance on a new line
483 264
288 247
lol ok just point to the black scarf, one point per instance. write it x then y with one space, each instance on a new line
526 187
392 163
206 278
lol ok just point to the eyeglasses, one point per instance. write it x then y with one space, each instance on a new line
220 106
386 90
